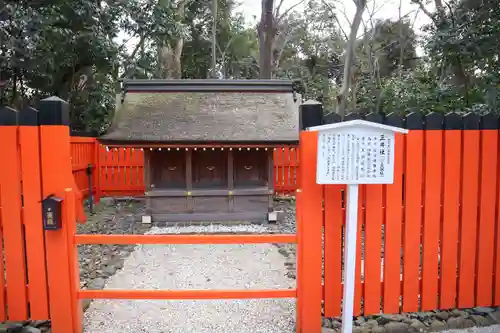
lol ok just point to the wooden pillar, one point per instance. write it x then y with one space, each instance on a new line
147 179
189 179
97 171
270 178
309 227
230 179
57 177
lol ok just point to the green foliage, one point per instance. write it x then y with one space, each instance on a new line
48 49
460 71
313 52
464 50
70 49
393 44
90 107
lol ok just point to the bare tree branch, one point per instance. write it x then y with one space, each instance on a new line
425 10
345 15
327 5
289 10
278 8
350 57
132 56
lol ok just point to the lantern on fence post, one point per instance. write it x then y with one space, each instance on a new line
354 152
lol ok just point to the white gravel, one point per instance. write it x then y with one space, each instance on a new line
169 267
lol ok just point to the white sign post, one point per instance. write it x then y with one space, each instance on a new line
354 152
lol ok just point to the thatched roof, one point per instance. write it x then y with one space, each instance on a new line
196 112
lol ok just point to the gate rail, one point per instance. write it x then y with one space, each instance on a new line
185 239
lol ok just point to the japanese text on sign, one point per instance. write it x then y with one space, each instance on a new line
355 158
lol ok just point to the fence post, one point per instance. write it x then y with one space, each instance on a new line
97 171
57 176
69 218
90 195
13 238
310 228
32 196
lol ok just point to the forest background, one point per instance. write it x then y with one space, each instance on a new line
354 55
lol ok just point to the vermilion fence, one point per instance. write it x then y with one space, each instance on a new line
119 171
84 152
428 241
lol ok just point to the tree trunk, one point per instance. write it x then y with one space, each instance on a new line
171 52
266 30
214 39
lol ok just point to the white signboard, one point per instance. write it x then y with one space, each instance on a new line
355 156
354 152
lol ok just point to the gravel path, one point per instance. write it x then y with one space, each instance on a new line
253 266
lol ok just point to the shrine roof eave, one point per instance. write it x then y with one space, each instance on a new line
200 143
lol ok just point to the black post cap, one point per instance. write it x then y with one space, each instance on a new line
453 121
332 118
395 119
353 116
375 117
310 114
8 116
415 120
489 121
28 116
434 121
53 111
471 121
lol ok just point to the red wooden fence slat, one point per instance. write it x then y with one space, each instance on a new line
133 169
432 218
311 238
496 295
373 247
32 217
468 223
97 170
486 240
140 171
334 219
279 156
393 231
451 216
13 235
286 168
413 219
123 166
3 303
116 170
